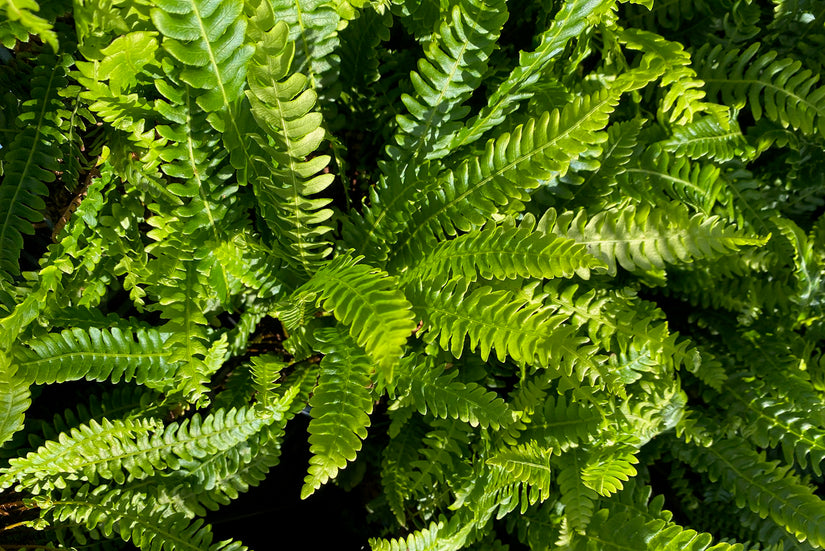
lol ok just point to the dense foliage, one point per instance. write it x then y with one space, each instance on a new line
460 234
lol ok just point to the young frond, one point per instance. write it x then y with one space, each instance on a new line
706 138
288 173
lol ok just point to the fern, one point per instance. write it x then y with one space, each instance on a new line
778 87
340 410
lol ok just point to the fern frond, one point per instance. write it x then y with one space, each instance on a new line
570 21
313 28
368 302
494 320
113 450
341 406
266 371
653 535
765 487
129 516
706 138
607 468
500 252
284 108
561 423
656 172
21 13
15 398
451 69
683 100
439 394
207 37
576 497
641 239
778 87
97 355
527 464
31 160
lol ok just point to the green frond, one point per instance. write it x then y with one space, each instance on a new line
453 65
138 448
777 87
15 398
397 464
653 535
706 138
640 238
283 106
443 535
433 391
592 183
266 370
528 464
578 499
129 516
31 160
20 21
765 487
115 354
368 302
607 468
771 421
341 405
561 424
683 100
494 320
207 38
501 252
313 28
570 21
657 176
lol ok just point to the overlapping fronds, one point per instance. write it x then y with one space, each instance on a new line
341 405
128 516
367 301
706 138
570 21
313 28
510 166
31 160
451 69
138 448
561 423
527 464
494 320
438 393
765 487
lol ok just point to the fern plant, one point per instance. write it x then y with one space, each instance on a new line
543 275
